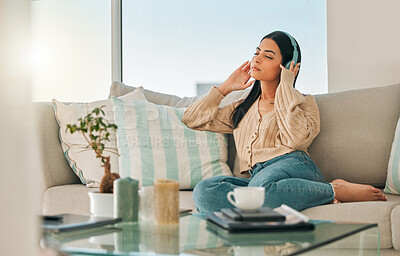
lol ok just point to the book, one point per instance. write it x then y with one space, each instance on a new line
262 214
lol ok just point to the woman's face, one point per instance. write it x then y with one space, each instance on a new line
265 64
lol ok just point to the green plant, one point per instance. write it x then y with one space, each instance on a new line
96 131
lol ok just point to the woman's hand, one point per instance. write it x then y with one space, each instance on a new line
238 80
294 69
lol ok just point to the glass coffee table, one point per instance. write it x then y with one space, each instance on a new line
195 236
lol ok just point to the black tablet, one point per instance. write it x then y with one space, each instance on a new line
70 222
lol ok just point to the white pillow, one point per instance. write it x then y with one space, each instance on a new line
155 144
393 172
83 160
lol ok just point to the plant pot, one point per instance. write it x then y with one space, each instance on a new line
101 204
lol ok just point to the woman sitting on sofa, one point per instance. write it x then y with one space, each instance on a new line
272 127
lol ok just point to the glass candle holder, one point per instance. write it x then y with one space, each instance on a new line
146 205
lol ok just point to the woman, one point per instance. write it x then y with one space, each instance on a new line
272 128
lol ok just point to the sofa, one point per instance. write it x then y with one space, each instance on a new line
357 131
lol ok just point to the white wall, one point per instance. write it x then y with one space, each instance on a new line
19 197
363 43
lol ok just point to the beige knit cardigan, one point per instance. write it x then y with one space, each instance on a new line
292 125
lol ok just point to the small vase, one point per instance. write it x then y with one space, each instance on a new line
101 204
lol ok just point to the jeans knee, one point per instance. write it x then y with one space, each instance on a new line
203 192
210 194
199 189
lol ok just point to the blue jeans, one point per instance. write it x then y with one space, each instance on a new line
292 179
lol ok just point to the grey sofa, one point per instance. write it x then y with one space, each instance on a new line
357 131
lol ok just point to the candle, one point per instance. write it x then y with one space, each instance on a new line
166 201
126 199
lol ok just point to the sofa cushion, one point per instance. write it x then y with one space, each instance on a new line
154 143
362 212
357 131
82 160
393 171
73 199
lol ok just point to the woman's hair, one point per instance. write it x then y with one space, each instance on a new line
284 43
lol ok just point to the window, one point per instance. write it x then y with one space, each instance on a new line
177 46
71 46
183 47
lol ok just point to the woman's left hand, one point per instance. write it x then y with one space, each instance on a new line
294 69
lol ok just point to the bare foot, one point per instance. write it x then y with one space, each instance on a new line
352 192
335 201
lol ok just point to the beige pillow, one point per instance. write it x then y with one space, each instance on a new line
82 160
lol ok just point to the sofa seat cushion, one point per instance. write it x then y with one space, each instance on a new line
364 212
74 199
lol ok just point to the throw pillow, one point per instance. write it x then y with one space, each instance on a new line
393 172
155 144
82 159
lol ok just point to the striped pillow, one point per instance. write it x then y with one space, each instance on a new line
154 144
393 173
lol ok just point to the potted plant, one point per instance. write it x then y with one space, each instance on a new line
96 131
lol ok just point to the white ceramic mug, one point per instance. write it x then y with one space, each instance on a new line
247 198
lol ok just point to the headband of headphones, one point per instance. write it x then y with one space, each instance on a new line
295 51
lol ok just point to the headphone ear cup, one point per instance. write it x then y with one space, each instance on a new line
287 66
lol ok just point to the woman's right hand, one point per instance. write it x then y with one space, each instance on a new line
238 80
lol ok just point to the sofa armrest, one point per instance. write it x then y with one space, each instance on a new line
55 170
